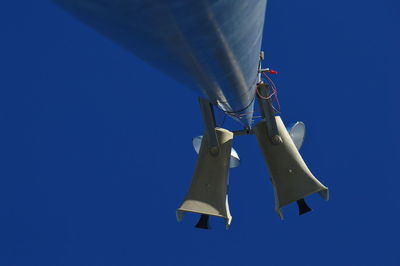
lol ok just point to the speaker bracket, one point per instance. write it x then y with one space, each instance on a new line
208 116
268 113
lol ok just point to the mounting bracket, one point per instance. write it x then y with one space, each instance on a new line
207 113
268 113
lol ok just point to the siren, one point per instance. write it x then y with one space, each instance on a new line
208 191
290 176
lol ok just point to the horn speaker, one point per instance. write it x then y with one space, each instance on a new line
290 176
208 191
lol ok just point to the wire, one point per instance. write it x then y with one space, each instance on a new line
273 94
263 97
236 112
239 114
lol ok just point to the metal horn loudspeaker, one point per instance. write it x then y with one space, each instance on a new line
208 192
290 176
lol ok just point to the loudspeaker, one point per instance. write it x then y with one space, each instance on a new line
208 191
290 176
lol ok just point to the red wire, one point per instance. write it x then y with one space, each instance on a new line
265 98
274 93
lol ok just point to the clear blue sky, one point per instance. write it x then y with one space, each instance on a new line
95 147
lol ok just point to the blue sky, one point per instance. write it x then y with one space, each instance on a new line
96 155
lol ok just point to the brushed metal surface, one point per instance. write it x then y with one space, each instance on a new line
211 46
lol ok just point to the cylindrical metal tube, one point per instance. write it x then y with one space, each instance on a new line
211 46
